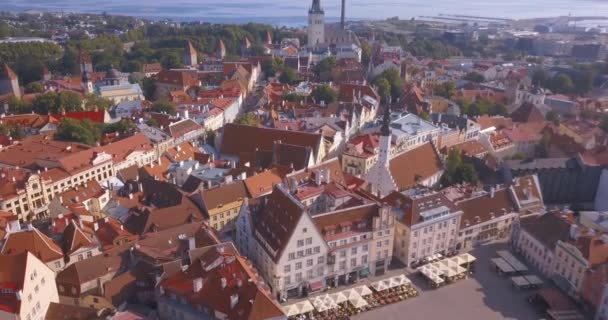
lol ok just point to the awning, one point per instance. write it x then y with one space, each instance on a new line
315 286
467 258
364 272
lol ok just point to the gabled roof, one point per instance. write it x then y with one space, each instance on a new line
89 269
229 285
74 238
151 220
422 162
182 127
347 216
277 221
527 112
241 139
411 207
263 183
548 228
32 241
222 195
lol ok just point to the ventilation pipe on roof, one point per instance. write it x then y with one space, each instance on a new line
234 300
197 284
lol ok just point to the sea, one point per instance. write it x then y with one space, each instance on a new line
292 13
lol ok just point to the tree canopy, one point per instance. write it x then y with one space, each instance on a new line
164 106
54 103
74 130
324 93
391 76
457 171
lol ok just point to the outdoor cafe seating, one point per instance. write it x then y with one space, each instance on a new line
349 302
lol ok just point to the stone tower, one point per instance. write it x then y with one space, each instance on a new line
87 82
9 82
190 55
221 49
86 64
379 179
316 24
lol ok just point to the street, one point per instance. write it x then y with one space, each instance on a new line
485 296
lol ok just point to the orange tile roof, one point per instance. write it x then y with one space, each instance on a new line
12 279
32 241
421 162
234 277
263 183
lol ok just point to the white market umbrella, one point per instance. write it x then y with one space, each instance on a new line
291 310
338 297
305 307
358 303
363 290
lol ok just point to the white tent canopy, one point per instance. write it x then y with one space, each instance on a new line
363 290
379 285
298 308
338 297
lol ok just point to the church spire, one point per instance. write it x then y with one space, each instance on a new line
386 121
316 7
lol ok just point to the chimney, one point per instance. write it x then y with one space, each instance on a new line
224 282
234 300
191 243
492 190
197 284
95 226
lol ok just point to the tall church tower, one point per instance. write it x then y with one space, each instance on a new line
316 24
379 178
190 55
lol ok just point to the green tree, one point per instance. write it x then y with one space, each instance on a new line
292 97
18 106
366 53
69 101
164 106
324 93
74 130
445 89
288 76
553 117
540 77
248 119
324 67
148 86
394 80
384 89
562 83
271 66
152 122
474 77
34 87
172 60
457 171
122 127
93 101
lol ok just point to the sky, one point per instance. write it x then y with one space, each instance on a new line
292 10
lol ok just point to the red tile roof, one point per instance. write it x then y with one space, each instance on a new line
94 116
32 241
421 162
12 280
276 223
230 287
